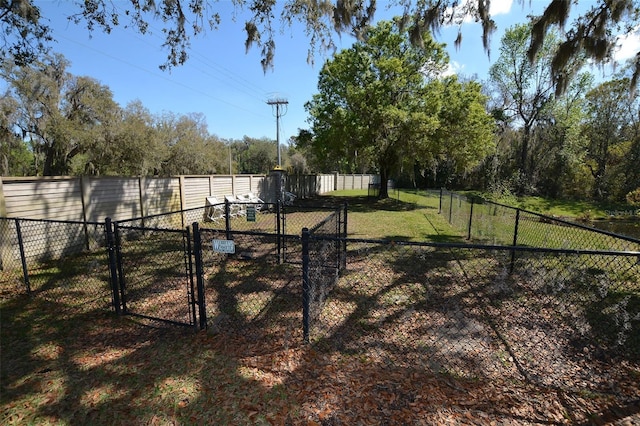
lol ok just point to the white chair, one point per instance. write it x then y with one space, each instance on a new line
214 209
289 198
235 206
253 199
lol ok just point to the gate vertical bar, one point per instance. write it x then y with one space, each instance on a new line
515 240
113 264
278 232
192 296
306 288
343 259
23 258
227 219
197 252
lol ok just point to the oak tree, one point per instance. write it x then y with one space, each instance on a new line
593 33
383 102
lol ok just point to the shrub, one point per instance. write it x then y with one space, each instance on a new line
633 197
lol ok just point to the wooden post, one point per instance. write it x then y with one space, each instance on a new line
183 202
142 195
5 237
85 199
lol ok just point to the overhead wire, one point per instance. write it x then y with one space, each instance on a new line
159 75
212 69
238 83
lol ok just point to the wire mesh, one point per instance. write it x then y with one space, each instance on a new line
171 220
61 262
325 247
552 316
494 223
249 292
543 231
155 277
295 219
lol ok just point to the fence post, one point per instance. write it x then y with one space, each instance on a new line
515 240
192 290
85 197
306 290
450 206
183 199
278 231
440 206
23 258
113 266
227 219
121 279
197 251
344 236
470 220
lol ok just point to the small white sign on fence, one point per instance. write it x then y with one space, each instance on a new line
224 246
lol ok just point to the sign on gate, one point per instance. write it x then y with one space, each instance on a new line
251 214
224 246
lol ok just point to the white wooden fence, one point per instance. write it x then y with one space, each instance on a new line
92 199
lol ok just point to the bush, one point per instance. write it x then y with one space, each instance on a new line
633 197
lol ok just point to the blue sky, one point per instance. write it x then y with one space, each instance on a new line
228 85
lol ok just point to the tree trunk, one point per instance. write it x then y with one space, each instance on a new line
524 178
384 179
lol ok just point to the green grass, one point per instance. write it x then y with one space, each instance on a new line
569 209
405 216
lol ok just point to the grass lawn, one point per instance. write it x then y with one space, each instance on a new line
405 216
569 209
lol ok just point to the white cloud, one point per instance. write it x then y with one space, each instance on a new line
500 7
453 68
627 46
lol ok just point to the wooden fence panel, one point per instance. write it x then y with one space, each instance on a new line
118 198
242 184
196 190
48 198
223 185
93 199
160 195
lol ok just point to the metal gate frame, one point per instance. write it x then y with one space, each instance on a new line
120 274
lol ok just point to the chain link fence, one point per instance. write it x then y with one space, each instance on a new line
61 262
557 316
323 258
234 270
256 290
485 221
554 317
249 292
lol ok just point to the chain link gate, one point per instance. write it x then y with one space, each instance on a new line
152 273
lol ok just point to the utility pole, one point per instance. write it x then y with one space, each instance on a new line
278 102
